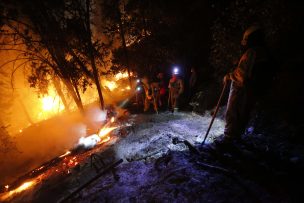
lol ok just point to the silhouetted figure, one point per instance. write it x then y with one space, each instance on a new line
249 82
176 88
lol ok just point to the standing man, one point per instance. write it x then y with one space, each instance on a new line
249 82
151 92
139 93
176 88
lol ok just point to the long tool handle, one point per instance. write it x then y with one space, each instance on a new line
216 110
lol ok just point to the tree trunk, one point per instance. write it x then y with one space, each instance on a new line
73 92
92 58
60 93
124 46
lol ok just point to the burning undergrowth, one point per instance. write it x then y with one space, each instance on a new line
158 166
65 163
148 138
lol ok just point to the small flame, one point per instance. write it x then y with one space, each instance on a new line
112 120
21 188
106 139
106 130
65 154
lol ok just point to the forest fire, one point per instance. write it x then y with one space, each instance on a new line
113 83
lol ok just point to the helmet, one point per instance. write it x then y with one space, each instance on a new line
248 32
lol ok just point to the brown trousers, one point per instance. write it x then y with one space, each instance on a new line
240 104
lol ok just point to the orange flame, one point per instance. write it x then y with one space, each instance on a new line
21 188
121 75
65 154
111 85
106 139
104 131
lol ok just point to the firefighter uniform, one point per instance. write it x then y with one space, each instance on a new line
249 80
176 88
152 92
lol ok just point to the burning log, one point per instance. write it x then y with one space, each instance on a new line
63 162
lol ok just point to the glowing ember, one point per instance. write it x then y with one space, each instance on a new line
40 168
65 154
112 120
72 162
128 87
19 189
6 187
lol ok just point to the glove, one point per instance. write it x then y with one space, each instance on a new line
226 78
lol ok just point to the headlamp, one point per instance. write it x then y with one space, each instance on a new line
175 70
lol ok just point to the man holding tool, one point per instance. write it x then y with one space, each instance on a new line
249 82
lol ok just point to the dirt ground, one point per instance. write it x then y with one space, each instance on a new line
154 169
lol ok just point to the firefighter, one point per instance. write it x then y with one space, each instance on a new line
249 82
151 91
139 93
176 88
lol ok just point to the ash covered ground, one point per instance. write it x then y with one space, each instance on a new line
156 170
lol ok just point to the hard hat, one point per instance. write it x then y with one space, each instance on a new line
248 32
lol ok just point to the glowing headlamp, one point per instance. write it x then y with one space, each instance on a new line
175 70
138 80
138 88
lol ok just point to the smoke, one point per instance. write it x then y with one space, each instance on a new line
41 135
89 142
